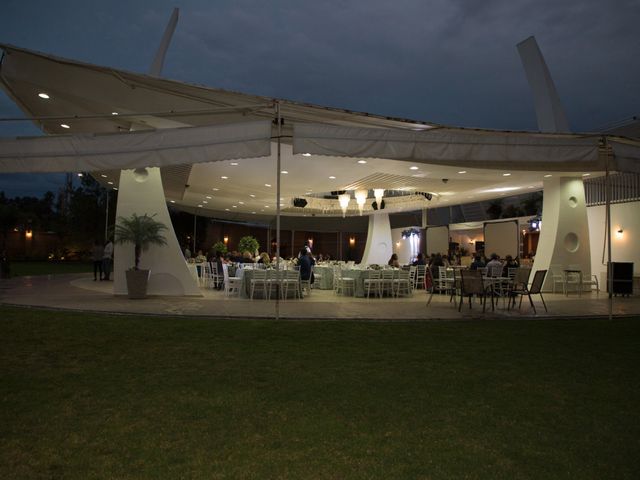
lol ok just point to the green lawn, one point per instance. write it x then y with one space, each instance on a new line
95 396
19 269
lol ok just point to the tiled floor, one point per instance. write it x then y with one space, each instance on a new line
80 292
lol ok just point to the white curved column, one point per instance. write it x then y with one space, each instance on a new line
564 235
141 192
379 246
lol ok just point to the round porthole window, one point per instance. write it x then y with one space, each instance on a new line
573 202
571 242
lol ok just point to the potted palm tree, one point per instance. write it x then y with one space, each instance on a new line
143 231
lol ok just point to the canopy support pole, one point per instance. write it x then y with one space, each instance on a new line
607 190
279 134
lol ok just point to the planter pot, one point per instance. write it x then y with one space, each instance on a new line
137 281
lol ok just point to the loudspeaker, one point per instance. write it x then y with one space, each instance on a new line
299 202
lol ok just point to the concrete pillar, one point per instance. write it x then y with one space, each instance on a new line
379 246
141 192
564 234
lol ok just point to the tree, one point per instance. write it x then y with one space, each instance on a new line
143 231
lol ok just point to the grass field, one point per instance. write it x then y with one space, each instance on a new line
96 396
20 269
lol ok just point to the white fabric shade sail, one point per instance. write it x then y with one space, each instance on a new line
157 148
469 148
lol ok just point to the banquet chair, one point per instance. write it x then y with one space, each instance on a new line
428 282
386 282
290 281
413 275
523 289
373 282
472 284
420 274
231 284
344 285
557 277
260 282
402 283
573 279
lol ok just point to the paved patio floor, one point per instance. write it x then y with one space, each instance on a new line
80 292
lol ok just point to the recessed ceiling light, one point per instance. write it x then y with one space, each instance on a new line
204 201
64 125
586 174
226 210
80 174
114 113
234 206
215 189
103 175
44 95
506 174
306 154
332 177
548 175
362 162
284 172
199 206
224 177
413 168
252 195
253 213
241 203
266 206
462 171
172 201
208 197
110 183
234 163
307 193
115 188
267 184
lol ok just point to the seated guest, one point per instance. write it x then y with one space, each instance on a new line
477 263
393 261
419 260
247 257
509 262
494 267
200 257
264 258
435 264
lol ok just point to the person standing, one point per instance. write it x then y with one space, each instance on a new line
96 255
107 259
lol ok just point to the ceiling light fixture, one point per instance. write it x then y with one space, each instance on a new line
462 171
64 125
114 113
548 175
267 184
224 177
252 195
284 172
44 95
234 163
306 154
362 162
361 198
586 174
413 168
378 193
331 177
344 200
506 174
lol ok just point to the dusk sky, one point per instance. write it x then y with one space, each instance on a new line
445 61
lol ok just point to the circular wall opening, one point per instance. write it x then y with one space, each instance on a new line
571 242
140 175
573 202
